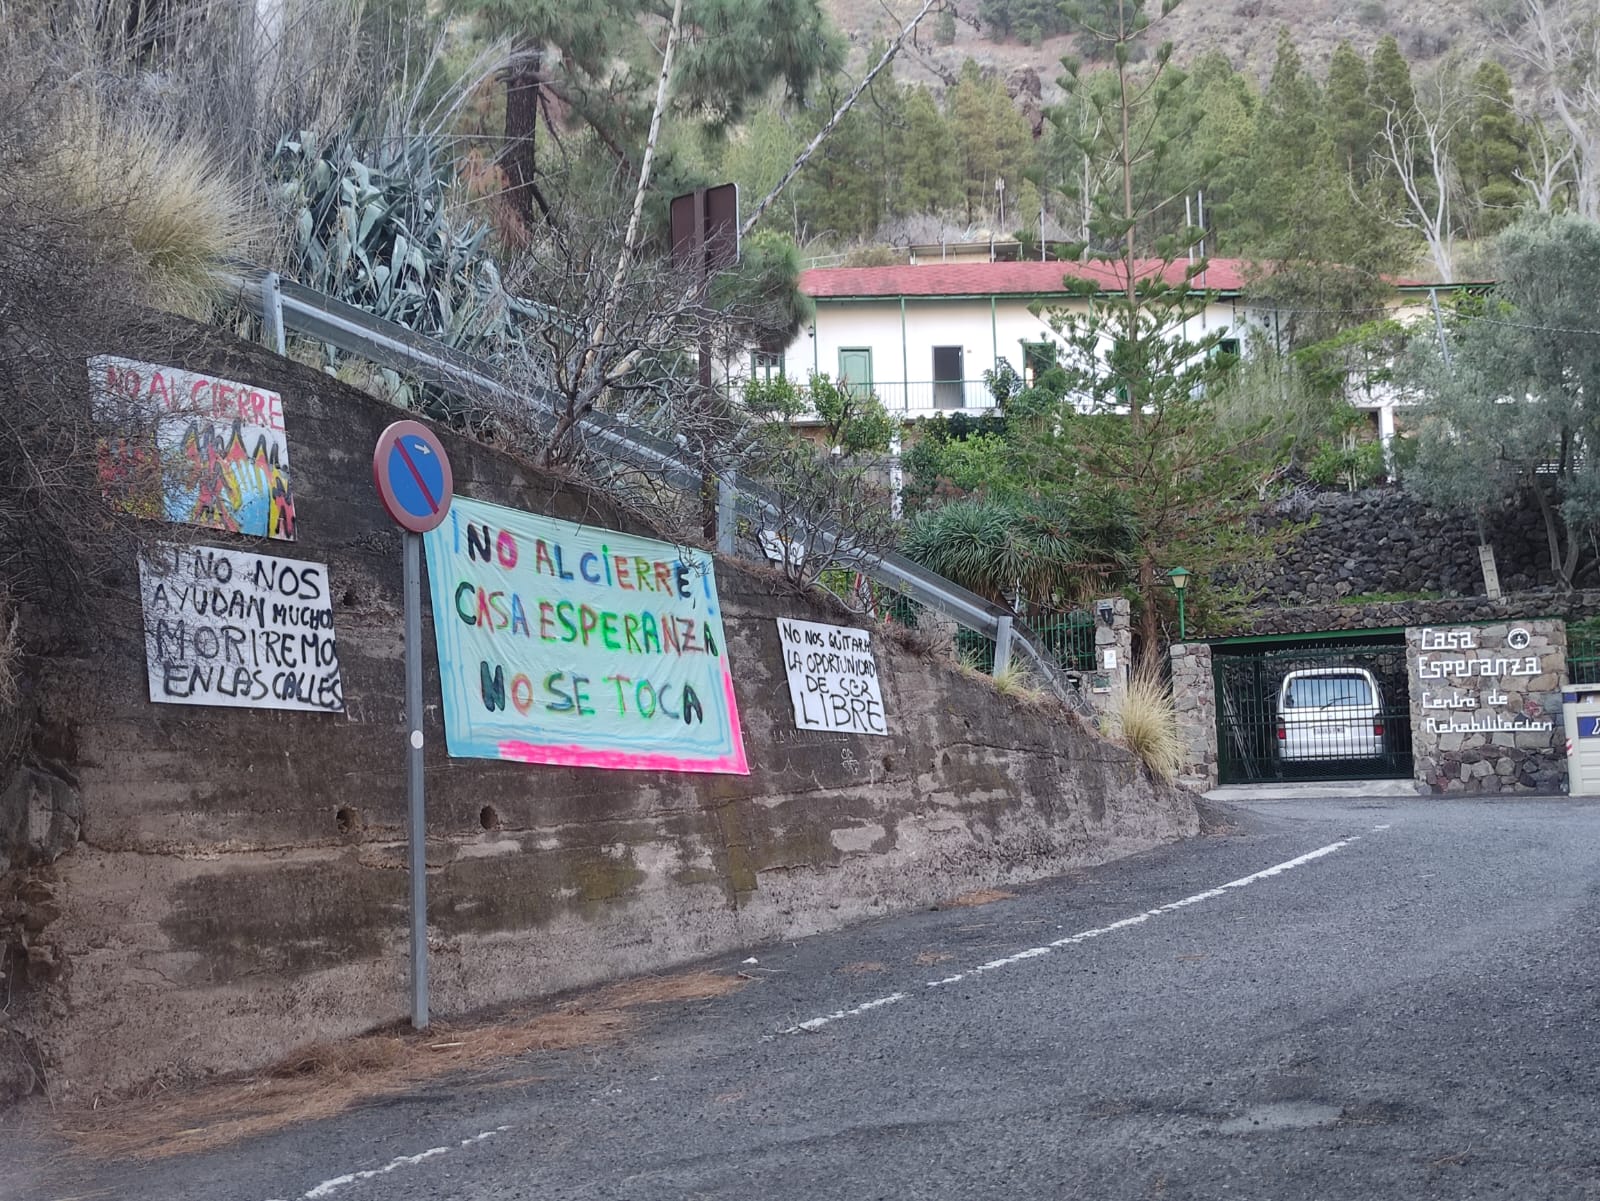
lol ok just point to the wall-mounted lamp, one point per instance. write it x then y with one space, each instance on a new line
1106 612
1180 581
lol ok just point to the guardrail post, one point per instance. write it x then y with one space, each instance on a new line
272 312
727 512
1002 644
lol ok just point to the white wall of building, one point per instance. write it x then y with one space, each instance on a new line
902 335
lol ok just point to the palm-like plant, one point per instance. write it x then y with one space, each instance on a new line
1013 550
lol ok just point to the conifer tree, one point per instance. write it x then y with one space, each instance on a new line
591 64
1330 241
1390 89
1137 441
1494 152
992 140
1350 120
928 166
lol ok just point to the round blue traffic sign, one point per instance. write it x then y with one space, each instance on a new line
413 476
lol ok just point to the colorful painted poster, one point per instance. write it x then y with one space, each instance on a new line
833 678
584 647
238 629
192 448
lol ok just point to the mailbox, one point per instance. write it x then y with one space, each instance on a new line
1580 710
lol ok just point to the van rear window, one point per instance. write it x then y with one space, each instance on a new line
1327 692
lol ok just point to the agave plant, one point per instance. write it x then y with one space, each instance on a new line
380 235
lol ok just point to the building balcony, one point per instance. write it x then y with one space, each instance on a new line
933 398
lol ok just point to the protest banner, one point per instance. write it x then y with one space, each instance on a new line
833 678
238 629
190 448
574 645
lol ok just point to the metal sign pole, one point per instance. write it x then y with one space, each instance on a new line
415 822
412 475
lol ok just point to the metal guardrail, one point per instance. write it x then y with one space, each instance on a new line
283 305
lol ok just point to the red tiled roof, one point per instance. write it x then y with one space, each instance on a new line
999 279
1011 279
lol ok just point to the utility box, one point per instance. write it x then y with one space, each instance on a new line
1580 710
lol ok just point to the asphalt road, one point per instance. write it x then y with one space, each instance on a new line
1391 999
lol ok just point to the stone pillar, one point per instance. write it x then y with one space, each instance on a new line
1194 693
1113 654
1486 706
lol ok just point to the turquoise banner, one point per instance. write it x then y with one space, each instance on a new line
584 647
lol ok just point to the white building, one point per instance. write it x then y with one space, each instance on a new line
920 336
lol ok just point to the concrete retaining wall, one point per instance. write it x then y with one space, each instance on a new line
239 887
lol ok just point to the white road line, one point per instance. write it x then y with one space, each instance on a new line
1137 919
819 1023
328 1187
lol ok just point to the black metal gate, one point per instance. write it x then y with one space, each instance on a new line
1325 710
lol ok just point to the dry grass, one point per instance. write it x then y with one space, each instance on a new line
323 1079
1147 724
1017 683
182 216
981 896
10 655
929 958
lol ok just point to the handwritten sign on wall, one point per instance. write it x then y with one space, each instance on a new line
234 628
192 448
574 645
833 678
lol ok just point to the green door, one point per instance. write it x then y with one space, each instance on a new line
855 370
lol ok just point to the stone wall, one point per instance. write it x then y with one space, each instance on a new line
1486 706
1107 686
1195 695
1383 540
239 885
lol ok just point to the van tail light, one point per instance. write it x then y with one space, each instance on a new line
1282 733
1377 729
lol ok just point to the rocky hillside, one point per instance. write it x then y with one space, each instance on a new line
1245 30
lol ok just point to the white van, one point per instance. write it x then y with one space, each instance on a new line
1330 713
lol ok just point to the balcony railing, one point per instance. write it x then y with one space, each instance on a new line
932 397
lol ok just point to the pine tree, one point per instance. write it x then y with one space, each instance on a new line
1493 152
1330 247
1139 443
1211 129
1350 120
566 59
1290 149
992 139
1390 89
928 178
995 15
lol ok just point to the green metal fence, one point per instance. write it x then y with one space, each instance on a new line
1306 711
1067 635
1583 651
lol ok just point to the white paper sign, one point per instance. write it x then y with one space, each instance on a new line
778 547
234 628
833 678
